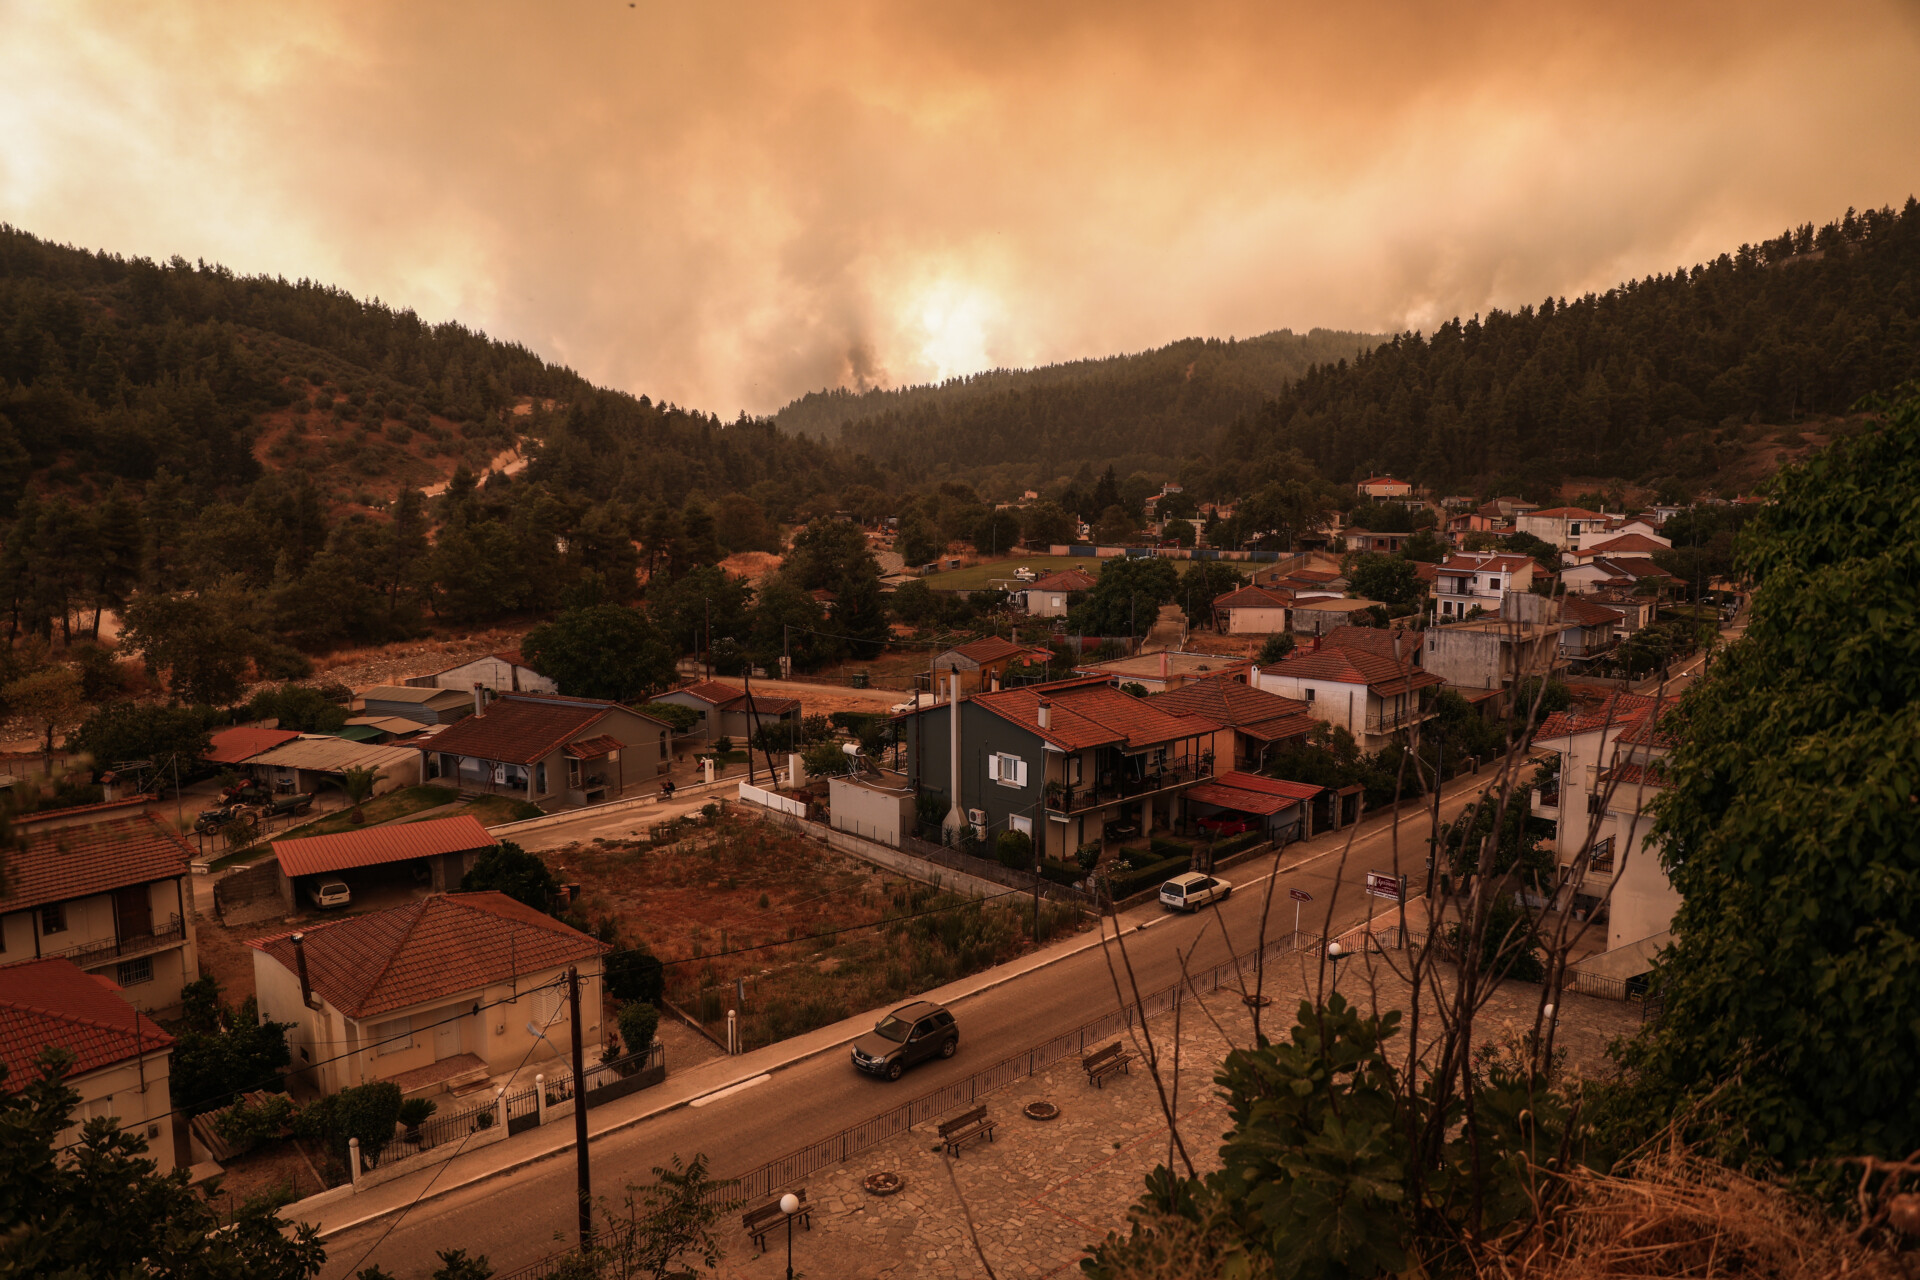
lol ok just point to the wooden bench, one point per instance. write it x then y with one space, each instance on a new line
965 1127
768 1216
1105 1062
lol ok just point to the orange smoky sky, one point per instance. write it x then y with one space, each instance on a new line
728 205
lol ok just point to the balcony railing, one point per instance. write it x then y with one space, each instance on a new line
1388 721
1069 800
169 934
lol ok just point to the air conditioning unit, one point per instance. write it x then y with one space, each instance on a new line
978 817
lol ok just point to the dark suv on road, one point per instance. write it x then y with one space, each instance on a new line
912 1033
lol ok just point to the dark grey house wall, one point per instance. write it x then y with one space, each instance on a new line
982 735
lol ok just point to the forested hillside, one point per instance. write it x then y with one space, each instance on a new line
1652 381
1138 410
263 446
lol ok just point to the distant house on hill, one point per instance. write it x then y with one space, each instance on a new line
1049 597
1385 487
725 711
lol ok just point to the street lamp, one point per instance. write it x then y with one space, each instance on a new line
1335 954
789 1205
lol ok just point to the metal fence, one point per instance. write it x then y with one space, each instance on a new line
992 869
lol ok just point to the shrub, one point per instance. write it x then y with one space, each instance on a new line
1014 849
364 1111
245 1125
634 973
513 871
638 1023
1088 856
415 1112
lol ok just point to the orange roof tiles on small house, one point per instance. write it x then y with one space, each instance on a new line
989 649
523 728
241 743
438 946
732 697
1625 544
369 847
1228 701
1063 580
1616 710
51 1004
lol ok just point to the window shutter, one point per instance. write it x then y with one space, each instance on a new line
1020 773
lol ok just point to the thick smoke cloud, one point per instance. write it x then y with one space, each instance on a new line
728 206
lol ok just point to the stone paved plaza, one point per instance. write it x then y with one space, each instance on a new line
1044 1190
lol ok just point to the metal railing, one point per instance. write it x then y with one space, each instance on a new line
90 953
1078 799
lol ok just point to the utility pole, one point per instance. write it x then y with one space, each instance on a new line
753 710
580 1114
707 607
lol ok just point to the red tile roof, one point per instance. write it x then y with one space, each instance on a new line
1616 710
1625 542
231 746
1252 598
1631 567
1357 666
732 697
1090 712
56 864
988 649
1251 793
447 945
1588 614
521 728
51 1003
1064 580
1374 640
398 842
1384 480
593 748
1230 703
1489 564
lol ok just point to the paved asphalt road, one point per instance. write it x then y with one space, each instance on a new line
520 1217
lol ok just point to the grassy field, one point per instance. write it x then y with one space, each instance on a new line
976 577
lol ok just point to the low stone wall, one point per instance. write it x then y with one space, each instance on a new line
250 895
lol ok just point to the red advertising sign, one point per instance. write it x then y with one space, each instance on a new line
1300 895
1382 885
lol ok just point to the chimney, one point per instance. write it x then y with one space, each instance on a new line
956 812
1316 643
1045 714
479 699
300 964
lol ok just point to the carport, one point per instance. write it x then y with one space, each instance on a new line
1234 801
385 862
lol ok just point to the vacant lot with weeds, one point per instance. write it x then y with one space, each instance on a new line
736 905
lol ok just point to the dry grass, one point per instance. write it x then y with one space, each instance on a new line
1674 1214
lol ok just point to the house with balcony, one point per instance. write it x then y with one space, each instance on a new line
120 1056
1627 538
1070 763
435 995
1370 696
1561 526
1635 574
105 887
1592 628
1252 721
1609 762
1359 539
1470 580
1496 652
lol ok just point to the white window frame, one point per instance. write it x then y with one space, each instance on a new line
1008 769
1023 825
393 1036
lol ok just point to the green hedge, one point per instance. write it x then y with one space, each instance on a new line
1128 883
1168 848
1066 873
1234 844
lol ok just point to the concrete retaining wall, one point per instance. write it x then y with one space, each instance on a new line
889 859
